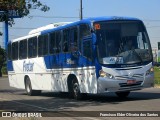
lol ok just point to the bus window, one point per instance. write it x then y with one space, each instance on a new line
65 45
15 51
87 49
52 43
23 49
84 31
58 42
9 51
74 39
43 45
32 47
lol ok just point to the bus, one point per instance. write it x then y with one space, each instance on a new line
90 56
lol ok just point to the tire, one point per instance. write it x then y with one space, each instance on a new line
29 90
123 94
74 90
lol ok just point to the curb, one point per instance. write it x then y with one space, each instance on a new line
157 86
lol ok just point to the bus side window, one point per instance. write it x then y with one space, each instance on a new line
52 43
58 42
84 31
74 39
43 45
65 45
15 51
9 51
87 49
23 49
32 47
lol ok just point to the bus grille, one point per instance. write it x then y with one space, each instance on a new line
125 77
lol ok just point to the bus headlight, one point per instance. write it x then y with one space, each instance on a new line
104 74
150 71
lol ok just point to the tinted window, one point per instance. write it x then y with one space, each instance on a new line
32 47
84 31
9 51
87 49
15 51
65 46
42 45
73 39
23 49
58 42
52 43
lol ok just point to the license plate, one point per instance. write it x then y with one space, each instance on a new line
131 82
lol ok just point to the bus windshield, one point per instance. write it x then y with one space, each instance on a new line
122 42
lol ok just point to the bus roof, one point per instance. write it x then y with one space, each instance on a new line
90 20
57 26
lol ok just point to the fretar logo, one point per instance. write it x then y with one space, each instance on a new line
28 66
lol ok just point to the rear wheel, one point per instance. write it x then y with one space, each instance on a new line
28 88
123 94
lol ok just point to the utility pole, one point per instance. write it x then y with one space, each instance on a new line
81 10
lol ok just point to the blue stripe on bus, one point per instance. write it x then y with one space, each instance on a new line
66 60
10 66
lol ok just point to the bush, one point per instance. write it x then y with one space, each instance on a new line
4 70
157 75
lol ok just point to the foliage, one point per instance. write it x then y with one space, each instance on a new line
2 57
158 59
25 10
4 70
157 75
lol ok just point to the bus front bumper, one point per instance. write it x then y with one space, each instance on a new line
115 85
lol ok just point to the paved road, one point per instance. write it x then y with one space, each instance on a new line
12 99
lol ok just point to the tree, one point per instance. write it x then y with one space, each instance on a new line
24 9
2 59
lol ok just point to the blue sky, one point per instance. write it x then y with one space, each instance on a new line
146 10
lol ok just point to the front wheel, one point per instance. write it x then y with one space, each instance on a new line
123 94
76 90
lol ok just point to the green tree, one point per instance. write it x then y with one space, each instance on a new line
2 59
24 10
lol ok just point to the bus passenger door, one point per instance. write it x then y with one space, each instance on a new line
87 74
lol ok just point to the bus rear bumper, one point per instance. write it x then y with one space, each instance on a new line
114 85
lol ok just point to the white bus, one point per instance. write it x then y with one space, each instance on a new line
96 55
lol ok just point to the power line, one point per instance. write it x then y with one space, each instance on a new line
20 28
150 20
153 27
50 16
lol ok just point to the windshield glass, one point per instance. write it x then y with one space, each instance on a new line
122 42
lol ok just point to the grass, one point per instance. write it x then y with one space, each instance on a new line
157 75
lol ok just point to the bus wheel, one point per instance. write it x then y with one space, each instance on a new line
75 92
122 94
28 88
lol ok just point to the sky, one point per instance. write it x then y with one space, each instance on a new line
68 11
